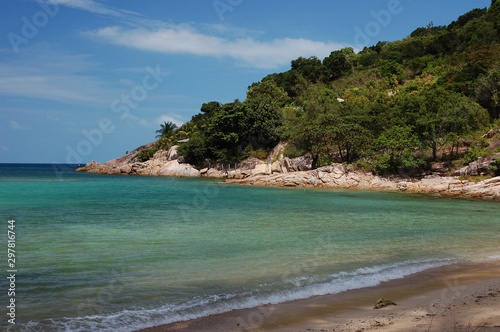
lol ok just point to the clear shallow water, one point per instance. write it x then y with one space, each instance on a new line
115 253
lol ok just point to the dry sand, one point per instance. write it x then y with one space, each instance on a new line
451 298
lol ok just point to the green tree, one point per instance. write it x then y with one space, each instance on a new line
195 151
263 116
166 130
396 149
339 62
417 65
487 91
310 68
333 136
313 136
392 71
413 48
368 58
317 100
224 133
187 130
444 116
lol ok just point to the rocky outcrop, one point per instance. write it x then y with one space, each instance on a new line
256 167
479 167
297 172
163 163
128 158
491 133
277 152
439 168
338 177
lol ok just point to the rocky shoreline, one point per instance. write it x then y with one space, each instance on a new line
337 177
297 172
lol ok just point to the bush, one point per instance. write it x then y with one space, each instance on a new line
291 151
195 152
475 153
495 167
392 71
368 59
146 154
259 154
325 161
365 165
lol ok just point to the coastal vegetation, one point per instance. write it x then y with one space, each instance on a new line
390 108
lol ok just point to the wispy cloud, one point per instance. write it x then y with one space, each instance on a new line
94 7
186 39
16 125
174 118
212 40
43 73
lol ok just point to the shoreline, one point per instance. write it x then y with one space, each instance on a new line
285 173
452 297
338 177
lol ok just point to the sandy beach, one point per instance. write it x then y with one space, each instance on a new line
462 297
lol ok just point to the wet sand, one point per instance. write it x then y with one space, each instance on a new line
452 298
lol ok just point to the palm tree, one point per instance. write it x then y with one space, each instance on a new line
166 129
187 130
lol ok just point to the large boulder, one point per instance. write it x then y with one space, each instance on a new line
261 169
440 168
276 153
277 167
129 157
298 164
480 166
174 168
172 153
160 155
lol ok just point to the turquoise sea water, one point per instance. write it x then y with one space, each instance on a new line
113 253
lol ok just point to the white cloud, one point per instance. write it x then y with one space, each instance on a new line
174 118
6 149
16 125
93 7
156 36
185 39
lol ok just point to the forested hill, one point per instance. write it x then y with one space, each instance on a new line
394 106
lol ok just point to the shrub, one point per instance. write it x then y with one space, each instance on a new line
259 154
495 167
475 153
291 151
146 154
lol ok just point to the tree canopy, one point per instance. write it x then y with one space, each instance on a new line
392 105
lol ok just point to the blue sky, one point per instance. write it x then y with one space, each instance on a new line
85 80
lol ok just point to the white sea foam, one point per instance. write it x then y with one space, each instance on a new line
131 320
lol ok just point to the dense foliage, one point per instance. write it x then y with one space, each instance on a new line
391 107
